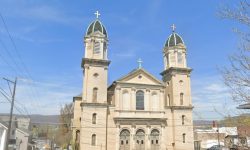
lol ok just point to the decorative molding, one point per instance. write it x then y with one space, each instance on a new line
100 105
133 89
140 121
97 62
179 107
175 70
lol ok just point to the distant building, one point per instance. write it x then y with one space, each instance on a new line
19 138
214 136
3 133
244 106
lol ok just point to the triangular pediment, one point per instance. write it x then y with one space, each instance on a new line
140 76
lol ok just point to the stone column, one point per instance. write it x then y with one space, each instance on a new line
147 137
132 146
161 98
133 99
147 100
117 98
117 136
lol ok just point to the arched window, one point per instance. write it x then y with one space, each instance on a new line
95 90
183 119
154 137
96 47
94 118
125 100
140 138
179 57
155 101
183 137
104 50
93 142
181 98
139 100
77 140
124 140
169 101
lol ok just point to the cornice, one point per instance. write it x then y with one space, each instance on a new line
97 62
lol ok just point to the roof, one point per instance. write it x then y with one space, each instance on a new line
244 106
173 40
4 124
139 71
96 26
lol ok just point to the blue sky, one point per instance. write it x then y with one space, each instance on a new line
49 39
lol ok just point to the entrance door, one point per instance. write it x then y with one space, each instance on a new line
124 140
154 137
140 140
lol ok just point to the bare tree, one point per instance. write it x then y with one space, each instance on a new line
63 137
237 75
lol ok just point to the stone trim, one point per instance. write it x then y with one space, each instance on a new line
140 111
175 70
179 107
101 105
135 85
140 121
97 62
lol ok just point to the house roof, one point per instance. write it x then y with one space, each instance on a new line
244 106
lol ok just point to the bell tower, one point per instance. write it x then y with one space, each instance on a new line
176 76
94 106
95 63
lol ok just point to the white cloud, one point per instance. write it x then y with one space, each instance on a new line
211 99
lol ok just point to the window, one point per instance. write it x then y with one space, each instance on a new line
96 47
139 100
181 82
181 98
183 119
104 50
183 137
179 57
155 136
95 90
94 118
169 102
93 142
95 75
124 139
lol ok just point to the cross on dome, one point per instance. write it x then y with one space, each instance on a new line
97 14
139 63
173 27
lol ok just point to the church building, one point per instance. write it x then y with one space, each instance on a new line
137 111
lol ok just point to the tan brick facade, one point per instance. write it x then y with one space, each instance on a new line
137 111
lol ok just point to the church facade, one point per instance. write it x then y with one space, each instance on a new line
137 111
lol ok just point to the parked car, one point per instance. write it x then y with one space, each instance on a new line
217 147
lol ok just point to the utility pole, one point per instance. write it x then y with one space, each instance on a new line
11 110
218 133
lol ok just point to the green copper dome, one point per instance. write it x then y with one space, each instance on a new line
96 26
173 40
